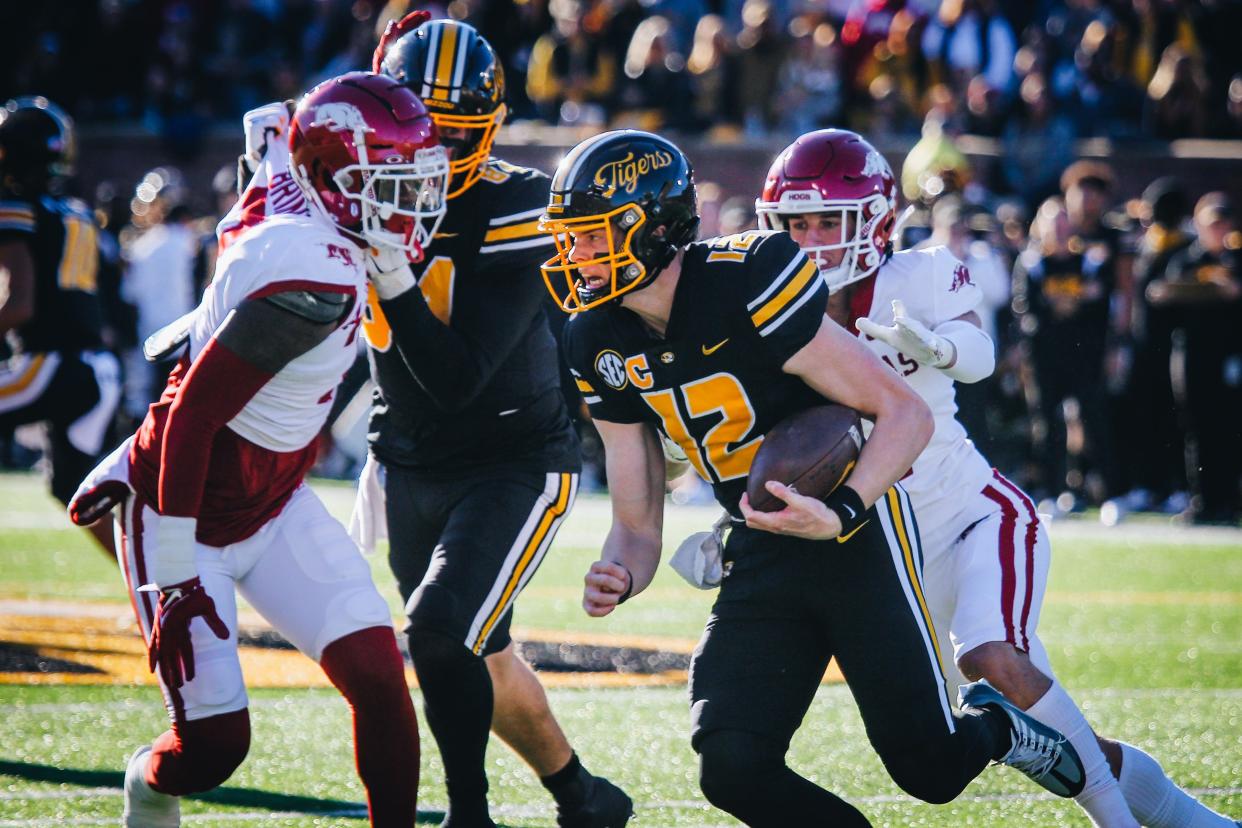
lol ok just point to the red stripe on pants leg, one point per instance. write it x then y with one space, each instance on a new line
1009 516
1032 532
148 602
140 564
129 565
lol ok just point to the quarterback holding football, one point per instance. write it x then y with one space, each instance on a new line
986 551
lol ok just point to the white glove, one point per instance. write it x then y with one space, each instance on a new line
912 338
389 270
261 125
700 558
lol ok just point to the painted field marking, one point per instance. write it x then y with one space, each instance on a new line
102 640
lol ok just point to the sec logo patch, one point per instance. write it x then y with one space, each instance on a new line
611 369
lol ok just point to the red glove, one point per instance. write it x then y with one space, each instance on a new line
93 504
170 646
393 31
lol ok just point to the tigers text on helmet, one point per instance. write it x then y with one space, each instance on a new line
834 171
638 190
38 146
364 151
458 76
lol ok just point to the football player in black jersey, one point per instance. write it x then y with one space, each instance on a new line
60 373
730 339
479 458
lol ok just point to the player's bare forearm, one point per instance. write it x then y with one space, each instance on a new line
638 551
901 433
631 552
844 370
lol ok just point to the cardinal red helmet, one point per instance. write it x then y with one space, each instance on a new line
835 170
365 151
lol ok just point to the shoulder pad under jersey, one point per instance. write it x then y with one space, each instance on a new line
319 306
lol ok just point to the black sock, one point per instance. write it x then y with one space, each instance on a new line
570 785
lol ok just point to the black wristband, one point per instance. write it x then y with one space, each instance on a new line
848 507
629 590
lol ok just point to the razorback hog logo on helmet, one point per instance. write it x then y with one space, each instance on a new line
340 117
875 164
961 278
624 172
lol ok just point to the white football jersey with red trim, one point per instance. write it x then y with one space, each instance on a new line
271 191
934 287
287 253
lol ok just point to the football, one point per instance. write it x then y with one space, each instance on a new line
813 451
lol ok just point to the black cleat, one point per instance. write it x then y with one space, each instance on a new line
1037 750
607 806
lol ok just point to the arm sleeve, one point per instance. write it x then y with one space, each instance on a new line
784 296
976 354
216 388
491 314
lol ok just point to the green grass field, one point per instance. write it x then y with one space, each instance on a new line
1144 625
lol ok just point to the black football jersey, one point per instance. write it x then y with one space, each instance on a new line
713 383
1050 278
64 246
466 368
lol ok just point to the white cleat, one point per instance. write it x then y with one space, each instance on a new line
144 807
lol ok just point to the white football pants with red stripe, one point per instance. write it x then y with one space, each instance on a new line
300 571
985 571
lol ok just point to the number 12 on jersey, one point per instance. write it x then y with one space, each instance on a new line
711 455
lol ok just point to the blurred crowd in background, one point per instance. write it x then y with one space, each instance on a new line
1118 321
1124 69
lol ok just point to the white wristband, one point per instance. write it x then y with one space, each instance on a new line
173 558
393 283
975 354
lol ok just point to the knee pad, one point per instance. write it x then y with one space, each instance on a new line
733 767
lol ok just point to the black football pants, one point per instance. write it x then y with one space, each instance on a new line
462 550
786 607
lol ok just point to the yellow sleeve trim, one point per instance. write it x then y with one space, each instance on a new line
516 231
778 302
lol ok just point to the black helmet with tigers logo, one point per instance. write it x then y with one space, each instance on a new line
638 189
455 71
38 147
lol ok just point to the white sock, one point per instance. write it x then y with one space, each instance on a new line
1156 801
1102 798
